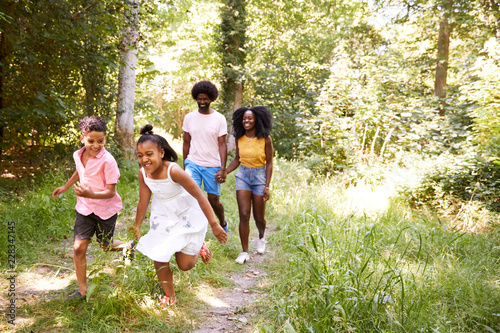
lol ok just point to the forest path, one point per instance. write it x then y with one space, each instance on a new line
232 308
235 309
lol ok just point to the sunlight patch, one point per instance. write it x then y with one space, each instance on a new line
8 175
34 282
368 199
205 294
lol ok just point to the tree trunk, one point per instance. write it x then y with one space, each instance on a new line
238 101
126 80
233 30
238 96
443 47
3 65
3 57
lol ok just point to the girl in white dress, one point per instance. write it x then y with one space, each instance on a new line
179 212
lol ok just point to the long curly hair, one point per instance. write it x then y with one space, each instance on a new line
205 87
263 122
147 135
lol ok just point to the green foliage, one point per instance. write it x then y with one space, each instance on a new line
447 186
286 90
179 50
483 92
38 218
389 271
231 47
289 66
70 48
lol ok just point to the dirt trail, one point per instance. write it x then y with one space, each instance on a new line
233 309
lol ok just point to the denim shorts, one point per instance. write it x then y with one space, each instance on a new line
87 226
251 179
203 174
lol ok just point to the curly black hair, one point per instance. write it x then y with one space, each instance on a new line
147 135
263 122
205 87
93 124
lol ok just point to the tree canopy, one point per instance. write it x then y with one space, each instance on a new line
341 78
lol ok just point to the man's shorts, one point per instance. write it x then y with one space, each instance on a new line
203 174
251 179
86 226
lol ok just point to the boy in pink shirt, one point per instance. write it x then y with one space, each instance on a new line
98 203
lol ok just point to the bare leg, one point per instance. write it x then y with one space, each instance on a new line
217 207
80 261
185 261
244 198
164 275
259 210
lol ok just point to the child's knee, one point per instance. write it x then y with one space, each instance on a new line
79 249
186 266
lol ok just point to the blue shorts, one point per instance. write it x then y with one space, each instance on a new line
205 174
251 179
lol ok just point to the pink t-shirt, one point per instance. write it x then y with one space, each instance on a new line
100 171
205 130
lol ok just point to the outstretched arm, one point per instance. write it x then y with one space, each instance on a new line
186 145
182 178
142 207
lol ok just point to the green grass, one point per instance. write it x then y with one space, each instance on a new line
348 255
355 267
123 298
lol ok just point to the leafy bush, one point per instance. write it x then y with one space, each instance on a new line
394 271
476 180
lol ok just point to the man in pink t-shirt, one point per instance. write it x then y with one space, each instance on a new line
97 202
204 148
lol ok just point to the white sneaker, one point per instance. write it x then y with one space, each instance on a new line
261 245
242 258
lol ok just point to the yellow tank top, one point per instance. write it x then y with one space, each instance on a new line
252 151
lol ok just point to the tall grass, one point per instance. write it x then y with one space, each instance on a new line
121 298
351 255
384 268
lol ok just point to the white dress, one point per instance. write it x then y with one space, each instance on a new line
177 223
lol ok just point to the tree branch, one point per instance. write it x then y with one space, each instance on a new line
78 14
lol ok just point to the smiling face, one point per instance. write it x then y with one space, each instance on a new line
94 142
150 156
203 103
248 120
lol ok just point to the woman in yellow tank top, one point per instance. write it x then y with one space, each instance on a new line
254 154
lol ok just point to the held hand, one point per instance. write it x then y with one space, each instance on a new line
136 230
220 176
58 191
266 194
219 233
83 190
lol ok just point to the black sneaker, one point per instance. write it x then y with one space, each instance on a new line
77 296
